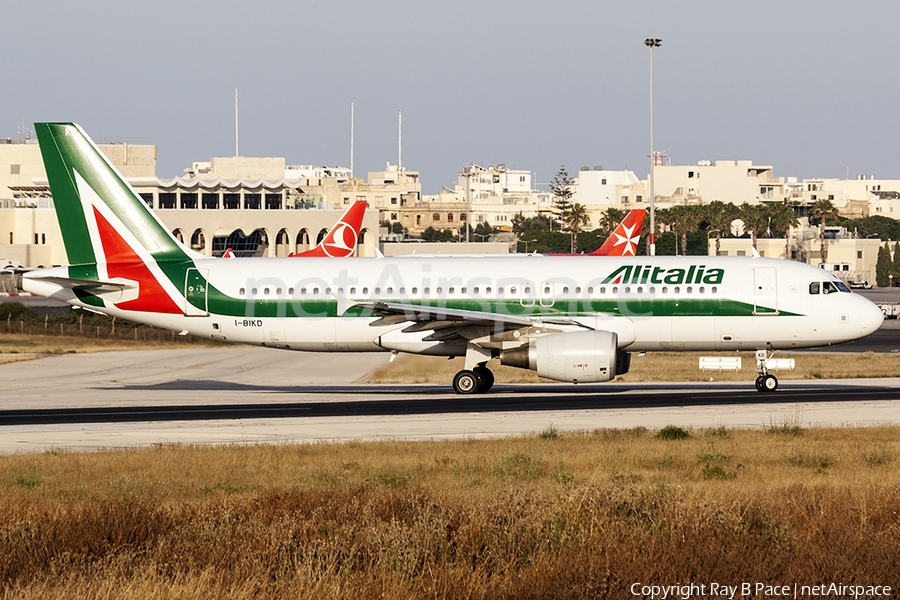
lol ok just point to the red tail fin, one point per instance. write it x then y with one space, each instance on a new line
341 240
624 239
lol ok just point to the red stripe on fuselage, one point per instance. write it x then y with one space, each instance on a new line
123 261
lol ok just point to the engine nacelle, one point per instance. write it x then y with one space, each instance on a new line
576 356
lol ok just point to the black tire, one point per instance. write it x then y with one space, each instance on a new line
759 387
467 382
769 383
487 378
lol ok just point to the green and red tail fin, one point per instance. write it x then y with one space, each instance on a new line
94 202
110 234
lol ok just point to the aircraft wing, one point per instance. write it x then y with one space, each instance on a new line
426 318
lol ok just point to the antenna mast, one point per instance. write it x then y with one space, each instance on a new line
236 152
351 139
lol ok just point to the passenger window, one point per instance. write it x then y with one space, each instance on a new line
814 287
242 291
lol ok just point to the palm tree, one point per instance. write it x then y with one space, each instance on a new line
574 219
755 220
684 220
718 217
783 218
822 211
610 219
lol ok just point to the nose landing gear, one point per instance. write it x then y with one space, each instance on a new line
766 382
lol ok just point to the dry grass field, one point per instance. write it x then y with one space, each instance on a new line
547 515
658 366
15 347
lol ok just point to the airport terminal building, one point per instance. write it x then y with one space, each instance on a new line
256 206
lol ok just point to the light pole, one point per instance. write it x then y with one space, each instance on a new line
652 43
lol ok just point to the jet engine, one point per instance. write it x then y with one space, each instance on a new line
576 356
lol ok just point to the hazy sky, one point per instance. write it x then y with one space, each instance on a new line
811 88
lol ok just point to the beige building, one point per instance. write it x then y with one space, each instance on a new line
849 259
731 181
243 203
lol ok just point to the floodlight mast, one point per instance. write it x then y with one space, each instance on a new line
652 43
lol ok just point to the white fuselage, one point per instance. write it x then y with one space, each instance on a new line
658 303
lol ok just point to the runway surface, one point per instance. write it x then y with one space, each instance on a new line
247 395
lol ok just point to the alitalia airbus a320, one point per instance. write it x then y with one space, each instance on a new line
568 318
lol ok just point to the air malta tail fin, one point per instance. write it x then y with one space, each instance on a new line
113 240
624 239
341 240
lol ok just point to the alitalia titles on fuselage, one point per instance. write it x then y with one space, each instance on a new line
658 275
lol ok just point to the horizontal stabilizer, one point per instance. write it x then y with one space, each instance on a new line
92 285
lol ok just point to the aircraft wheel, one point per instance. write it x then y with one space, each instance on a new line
759 386
487 378
769 383
467 382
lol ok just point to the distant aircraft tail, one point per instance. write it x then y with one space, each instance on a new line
624 239
342 238
114 243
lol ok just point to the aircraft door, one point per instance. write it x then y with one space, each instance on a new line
195 293
765 291
548 291
528 294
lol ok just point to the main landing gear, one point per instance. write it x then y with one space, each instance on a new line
475 377
474 381
766 382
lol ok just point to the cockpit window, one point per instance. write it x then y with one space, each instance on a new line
840 285
829 288
814 287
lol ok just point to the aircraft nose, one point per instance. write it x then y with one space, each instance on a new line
870 316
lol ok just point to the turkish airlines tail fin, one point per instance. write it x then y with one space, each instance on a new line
624 239
341 240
